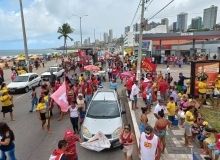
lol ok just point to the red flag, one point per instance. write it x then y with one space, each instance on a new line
60 96
148 65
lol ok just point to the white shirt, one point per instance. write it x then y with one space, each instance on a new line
73 112
168 70
156 110
109 70
152 59
125 64
134 91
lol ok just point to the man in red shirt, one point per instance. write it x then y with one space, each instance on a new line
71 149
60 153
2 74
143 88
129 85
163 86
88 93
114 73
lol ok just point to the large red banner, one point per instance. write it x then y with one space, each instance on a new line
148 65
206 70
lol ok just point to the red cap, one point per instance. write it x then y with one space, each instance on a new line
68 133
161 80
45 83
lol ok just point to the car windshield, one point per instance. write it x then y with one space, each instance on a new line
51 70
21 79
103 109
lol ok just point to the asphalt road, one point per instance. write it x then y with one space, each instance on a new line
31 143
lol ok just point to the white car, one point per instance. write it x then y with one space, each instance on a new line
24 82
58 71
104 114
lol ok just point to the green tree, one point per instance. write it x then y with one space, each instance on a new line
64 30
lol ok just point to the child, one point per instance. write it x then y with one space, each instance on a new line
202 91
210 140
171 107
82 116
180 95
203 135
174 84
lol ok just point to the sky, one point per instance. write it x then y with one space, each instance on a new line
43 17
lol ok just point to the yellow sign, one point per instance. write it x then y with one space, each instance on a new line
128 50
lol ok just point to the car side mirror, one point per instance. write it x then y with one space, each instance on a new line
123 112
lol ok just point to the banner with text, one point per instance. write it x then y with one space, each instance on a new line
148 65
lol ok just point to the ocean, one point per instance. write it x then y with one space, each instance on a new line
30 51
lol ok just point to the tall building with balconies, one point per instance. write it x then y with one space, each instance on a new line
182 21
209 17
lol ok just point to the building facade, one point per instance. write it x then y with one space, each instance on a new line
165 21
209 17
153 25
110 35
196 23
182 21
145 23
174 26
88 41
136 27
127 29
105 36
85 42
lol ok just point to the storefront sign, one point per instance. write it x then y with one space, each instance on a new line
145 46
186 34
164 46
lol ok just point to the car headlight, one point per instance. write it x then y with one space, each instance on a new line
86 132
116 133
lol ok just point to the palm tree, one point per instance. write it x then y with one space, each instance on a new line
64 30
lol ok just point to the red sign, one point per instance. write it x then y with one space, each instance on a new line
163 46
148 65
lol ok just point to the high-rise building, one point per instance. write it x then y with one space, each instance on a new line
105 36
165 21
136 27
209 17
171 28
127 29
97 42
110 35
174 26
85 42
147 27
77 44
196 23
145 23
108 38
88 41
182 21
153 25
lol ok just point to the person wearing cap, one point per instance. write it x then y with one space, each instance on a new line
134 93
60 153
71 140
7 103
158 108
163 86
2 74
216 87
181 81
113 85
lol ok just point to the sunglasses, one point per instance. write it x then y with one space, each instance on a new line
127 128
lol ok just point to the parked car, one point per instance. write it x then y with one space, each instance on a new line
104 114
24 82
58 71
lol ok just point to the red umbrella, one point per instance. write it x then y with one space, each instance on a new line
66 62
92 68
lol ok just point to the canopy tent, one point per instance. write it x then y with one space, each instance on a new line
56 54
20 59
74 51
13 58
21 55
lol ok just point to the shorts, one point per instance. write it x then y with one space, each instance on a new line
109 75
129 92
144 99
128 149
155 92
171 118
43 116
211 146
6 109
52 84
149 101
213 95
188 128
202 94
164 95
135 99
81 120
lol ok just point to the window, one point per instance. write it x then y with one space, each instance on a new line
21 79
31 78
35 76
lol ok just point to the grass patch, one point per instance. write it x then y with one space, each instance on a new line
212 116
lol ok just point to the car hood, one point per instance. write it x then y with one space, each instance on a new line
17 84
106 126
47 73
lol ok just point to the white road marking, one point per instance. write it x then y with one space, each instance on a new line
20 96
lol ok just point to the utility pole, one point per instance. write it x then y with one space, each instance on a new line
140 43
80 26
94 36
24 35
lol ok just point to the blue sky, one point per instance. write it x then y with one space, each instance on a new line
43 17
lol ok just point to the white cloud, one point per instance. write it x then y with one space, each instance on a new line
48 42
30 41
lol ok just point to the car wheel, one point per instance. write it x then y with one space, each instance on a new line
40 83
27 89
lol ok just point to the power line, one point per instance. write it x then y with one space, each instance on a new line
135 13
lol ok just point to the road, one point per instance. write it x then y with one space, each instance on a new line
31 143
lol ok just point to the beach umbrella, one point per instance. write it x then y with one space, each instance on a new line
21 59
56 54
21 55
125 74
8 57
13 58
34 57
92 68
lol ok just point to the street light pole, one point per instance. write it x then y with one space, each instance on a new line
24 34
80 25
94 35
